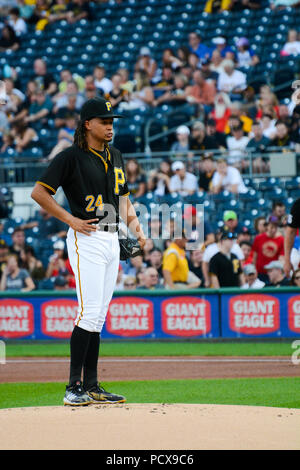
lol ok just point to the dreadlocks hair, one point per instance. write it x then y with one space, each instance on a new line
80 136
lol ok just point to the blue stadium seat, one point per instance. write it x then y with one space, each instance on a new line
197 198
293 183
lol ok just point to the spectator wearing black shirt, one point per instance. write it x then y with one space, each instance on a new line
224 266
165 83
240 5
8 39
33 265
282 138
199 139
117 93
155 261
135 178
293 225
65 112
78 10
195 263
218 137
18 242
44 79
295 127
206 172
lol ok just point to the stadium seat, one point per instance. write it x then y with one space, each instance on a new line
293 183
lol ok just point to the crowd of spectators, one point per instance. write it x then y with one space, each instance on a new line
233 119
236 117
174 256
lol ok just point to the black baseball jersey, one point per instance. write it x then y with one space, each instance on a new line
294 215
90 179
227 269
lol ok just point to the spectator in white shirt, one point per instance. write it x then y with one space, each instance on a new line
268 124
102 83
231 81
182 182
16 22
228 178
252 281
237 144
292 46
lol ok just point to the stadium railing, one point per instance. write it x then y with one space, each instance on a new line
26 173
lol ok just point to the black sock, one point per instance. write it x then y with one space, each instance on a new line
90 376
79 344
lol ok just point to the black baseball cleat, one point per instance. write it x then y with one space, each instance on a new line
98 395
76 396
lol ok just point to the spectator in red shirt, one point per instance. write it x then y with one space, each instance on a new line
59 265
267 247
246 248
221 111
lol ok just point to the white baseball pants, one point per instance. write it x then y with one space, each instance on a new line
95 262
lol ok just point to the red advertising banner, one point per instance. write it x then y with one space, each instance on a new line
16 318
254 314
186 316
294 313
57 317
130 317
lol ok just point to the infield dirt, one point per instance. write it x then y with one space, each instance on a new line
150 427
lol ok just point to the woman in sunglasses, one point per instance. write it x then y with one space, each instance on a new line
296 278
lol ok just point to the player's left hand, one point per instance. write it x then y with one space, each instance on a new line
142 241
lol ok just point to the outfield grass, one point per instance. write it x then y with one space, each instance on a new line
275 392
33 349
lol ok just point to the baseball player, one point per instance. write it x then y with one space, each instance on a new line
292 228
92 175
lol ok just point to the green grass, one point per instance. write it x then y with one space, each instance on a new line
32 349
279 392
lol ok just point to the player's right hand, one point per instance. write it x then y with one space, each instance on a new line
84 226
288 269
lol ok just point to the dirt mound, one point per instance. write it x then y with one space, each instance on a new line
150 427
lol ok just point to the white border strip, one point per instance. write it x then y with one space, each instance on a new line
154 360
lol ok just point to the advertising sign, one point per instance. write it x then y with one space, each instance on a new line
16 318
163 315
57 317
130 317
294 314
186 316
254 314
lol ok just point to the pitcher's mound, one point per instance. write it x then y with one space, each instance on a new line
150 427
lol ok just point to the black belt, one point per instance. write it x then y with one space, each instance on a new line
111 228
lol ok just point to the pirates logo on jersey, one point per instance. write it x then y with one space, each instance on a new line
108 105
119 179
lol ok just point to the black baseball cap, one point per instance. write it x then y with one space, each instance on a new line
228 235
97 107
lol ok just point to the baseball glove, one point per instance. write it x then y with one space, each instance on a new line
129 248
